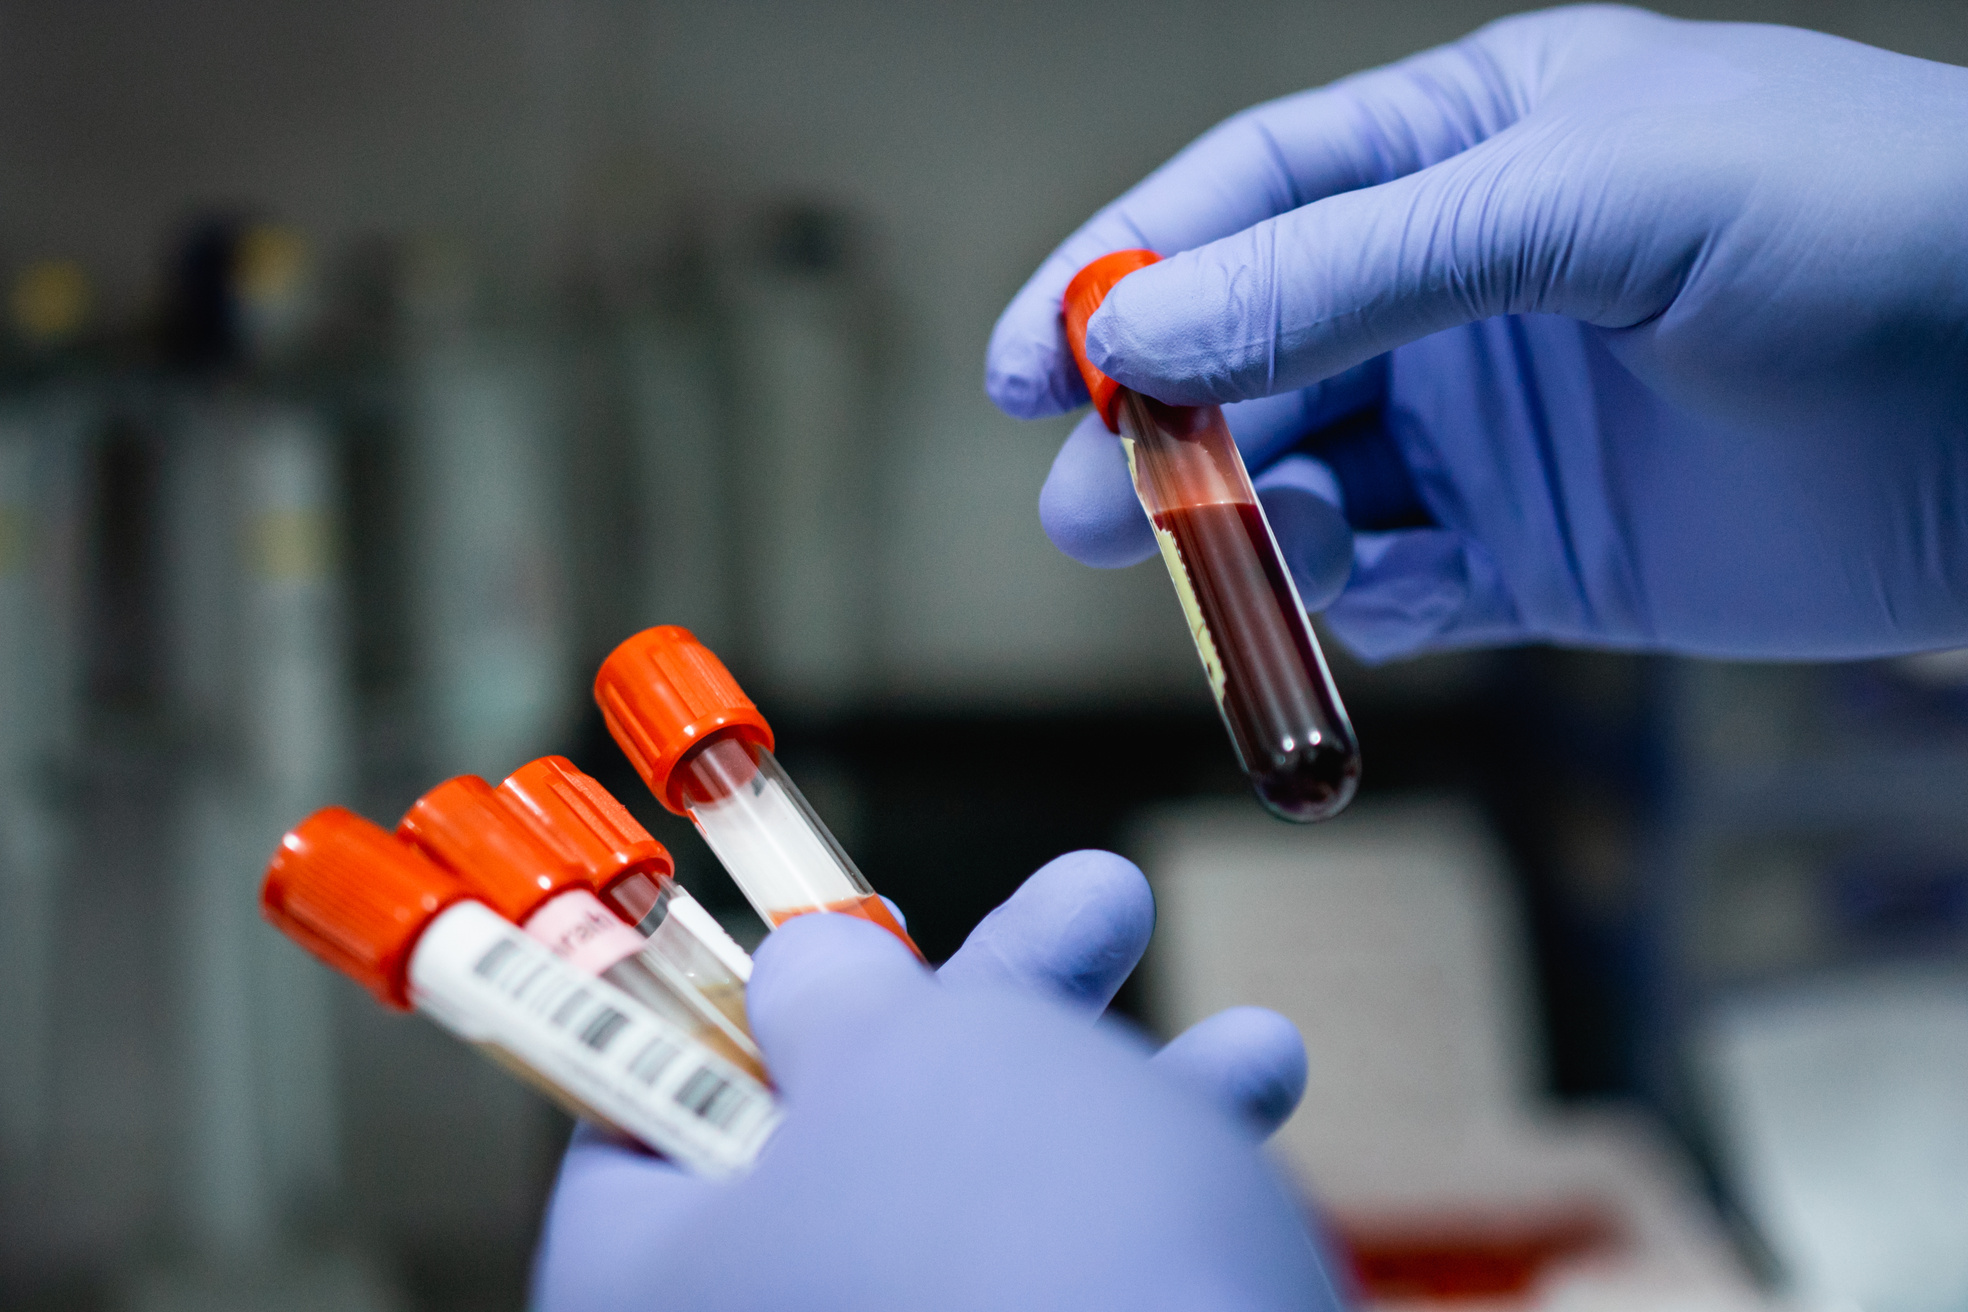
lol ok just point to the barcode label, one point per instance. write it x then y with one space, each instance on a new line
486 980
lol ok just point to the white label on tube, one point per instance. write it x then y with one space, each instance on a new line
703 927
485 980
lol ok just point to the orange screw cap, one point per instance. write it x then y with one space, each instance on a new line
355 897
1083 296
590 831
471 830
663 693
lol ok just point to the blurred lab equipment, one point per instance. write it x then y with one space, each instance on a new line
1389 939
483 839
257 655
1841 1111
705 751
810 444
1265 669
370 906
49 429
483 507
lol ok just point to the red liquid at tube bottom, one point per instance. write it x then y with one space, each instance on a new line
1289 730
870 907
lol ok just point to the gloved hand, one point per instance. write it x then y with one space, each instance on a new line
967 1139
1601 327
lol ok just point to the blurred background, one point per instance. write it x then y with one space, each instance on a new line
370 369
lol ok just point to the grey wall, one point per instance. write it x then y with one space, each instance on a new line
969 137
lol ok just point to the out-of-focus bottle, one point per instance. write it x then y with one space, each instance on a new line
481 836
620 863
51 412
482 492
1265 668
706 752
377 910
261 699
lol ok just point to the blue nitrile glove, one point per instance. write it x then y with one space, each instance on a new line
1610 329
965 1140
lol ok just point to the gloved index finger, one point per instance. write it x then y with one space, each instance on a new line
1074 931
1358 132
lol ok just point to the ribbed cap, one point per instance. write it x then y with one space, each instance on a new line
477 834
662 693
355 897
582 821
1083 296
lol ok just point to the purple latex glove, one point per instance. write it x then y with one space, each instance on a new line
1598 327
967 1139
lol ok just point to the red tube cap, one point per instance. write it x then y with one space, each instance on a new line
592 832
662 693
355 897
471 830
1083 296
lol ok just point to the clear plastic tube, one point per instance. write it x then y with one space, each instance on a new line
1265 668
778 851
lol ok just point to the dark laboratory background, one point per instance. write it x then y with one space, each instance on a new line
370 369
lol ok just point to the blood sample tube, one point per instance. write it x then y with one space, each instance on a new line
1263 661
706 752
379 911
626 868
479 835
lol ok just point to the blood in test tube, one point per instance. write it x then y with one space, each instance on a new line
477 834
630 871
1265 669
706 752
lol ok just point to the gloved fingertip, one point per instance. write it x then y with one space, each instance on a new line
1028 373
1088 507
1177 331
1301 499
817 971
1250 1061
1073 931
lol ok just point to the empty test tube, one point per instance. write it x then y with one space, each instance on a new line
626 868
479 834
706 752
1265 668
379 911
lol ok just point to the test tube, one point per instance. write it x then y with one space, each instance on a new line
706 752
479 835
626 868
1265 668
379 911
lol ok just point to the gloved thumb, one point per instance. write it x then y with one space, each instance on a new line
1324 287
820 979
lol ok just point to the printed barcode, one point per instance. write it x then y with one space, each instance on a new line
711 1097
652 1061
488 965
561 1002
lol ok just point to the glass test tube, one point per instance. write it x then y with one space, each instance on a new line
476 834
377 910
626 868
706 752
1265 668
